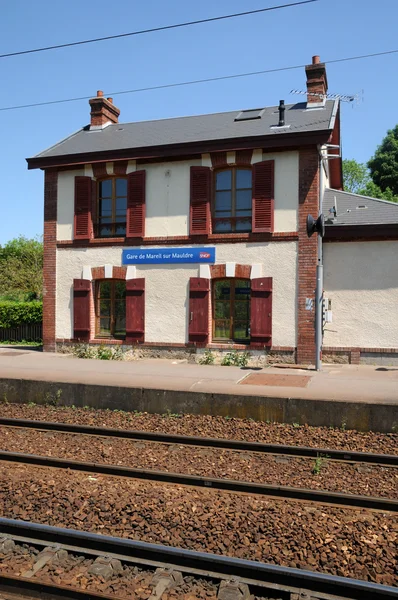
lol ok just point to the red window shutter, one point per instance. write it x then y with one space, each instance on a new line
83 203
199 294
263 196
135 311
81 309
199 214
136 204
261 312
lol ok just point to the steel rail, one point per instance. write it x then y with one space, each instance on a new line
229 485
149 436
209 564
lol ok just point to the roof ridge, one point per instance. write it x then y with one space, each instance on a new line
221 112
362 196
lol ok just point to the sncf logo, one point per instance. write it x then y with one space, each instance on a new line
204 255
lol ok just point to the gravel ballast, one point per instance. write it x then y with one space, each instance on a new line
209 426
318 473
347 542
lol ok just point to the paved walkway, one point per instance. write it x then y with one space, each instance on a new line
363 383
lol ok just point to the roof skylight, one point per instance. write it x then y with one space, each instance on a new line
250 115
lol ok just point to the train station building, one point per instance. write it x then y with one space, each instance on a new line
190 233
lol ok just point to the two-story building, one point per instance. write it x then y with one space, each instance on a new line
189 232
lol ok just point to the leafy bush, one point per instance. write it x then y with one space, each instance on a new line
102 352
13 314
207 358
235 359
83 351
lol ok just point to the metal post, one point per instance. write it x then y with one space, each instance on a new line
319 277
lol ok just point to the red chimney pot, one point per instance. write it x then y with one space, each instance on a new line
316 60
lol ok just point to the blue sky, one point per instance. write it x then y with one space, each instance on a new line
291 36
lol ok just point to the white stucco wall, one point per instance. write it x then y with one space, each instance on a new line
167 197
168 190
286 189
361 279
66 203
166 288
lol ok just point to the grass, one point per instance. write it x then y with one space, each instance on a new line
21 343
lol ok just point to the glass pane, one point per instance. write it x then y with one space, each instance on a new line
222 227
120 316
105 308
105 289
243 178
105 230
120 230
121 187
121 204
244 199
224 180
222 289
243 225
105 325
105 207
120 290
105 188
223 201
242 331
221 329
222 310
242 283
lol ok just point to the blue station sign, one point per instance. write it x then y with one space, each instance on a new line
159 256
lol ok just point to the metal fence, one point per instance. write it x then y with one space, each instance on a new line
22 333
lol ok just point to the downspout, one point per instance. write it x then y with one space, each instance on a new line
319 274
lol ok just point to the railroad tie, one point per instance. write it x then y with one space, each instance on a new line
163 580
7 545
233 589
44 557
105 566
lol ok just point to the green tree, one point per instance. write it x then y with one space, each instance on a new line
384 164
21 269
355 176
357 179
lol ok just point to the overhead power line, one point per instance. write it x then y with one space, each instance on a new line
196 81
156 29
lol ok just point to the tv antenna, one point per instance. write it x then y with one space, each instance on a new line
351 98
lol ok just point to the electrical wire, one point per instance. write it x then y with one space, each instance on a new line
197 81
156 29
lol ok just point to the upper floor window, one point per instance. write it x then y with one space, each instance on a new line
232 208
112 207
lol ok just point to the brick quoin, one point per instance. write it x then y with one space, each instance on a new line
49 259
307 253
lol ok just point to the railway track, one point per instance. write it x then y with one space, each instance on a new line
221 484
385 460
322 497
161 568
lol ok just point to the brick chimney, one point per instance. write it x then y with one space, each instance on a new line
317 82
103 112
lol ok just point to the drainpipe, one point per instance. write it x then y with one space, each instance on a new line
319 274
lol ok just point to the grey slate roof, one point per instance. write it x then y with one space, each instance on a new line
201 128
353 209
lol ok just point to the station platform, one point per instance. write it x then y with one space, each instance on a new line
358 397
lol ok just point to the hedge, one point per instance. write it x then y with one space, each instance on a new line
13 314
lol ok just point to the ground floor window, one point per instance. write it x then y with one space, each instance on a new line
111 309
231 310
